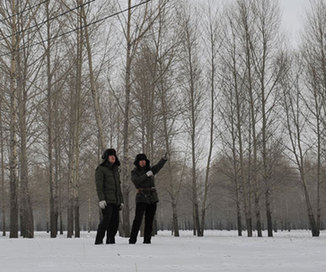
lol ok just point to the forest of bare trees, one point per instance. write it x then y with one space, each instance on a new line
218 87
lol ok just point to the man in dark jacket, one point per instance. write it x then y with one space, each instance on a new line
146 198
108 189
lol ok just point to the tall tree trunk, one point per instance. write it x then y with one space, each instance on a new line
242 179
268 213
292 108
253 121
72 163
95 96
264 143
89 227
77 134
27 221
58 173
3 210
318 204
174 192
212 113
125 168
13 132
197 228
235 172
192 110
53 204
242 187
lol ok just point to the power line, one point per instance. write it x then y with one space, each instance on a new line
117 13
78 28
47 20
21 12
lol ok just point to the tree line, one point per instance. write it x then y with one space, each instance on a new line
217 86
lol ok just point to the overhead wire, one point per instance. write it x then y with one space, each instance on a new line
47 20
79 28
21 12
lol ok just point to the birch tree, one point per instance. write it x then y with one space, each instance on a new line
268 64
134 29
12 45
155 82
190 73
3 211
234 112
212 44
296 125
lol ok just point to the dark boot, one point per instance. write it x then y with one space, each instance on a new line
98 239
110 240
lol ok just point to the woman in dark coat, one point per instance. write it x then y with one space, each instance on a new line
146 198
109 193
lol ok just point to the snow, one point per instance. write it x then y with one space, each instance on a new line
216 251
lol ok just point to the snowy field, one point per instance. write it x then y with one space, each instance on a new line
217 251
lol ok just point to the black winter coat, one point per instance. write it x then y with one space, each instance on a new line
107 179
146 192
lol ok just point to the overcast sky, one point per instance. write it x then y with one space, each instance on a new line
293 17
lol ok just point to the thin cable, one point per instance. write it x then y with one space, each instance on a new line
117 13
47 20
21 12
78 28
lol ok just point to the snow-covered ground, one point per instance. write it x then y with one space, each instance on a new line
217 251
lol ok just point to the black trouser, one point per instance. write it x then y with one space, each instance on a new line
109 224
149 210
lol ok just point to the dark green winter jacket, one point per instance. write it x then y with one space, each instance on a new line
108 184
146 192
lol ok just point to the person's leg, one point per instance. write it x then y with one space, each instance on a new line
140 209
113 225
149 217
102 227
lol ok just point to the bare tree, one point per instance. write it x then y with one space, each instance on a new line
134 31
268 64
296 124
52 185
248 32
94 91
12 45
3 211
155 82
73 210
212 32
190 72
234 111
314 59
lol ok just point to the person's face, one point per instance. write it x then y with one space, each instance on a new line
142 163
111 159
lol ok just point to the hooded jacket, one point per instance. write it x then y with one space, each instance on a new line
107 179
146 192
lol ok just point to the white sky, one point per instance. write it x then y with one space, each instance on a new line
293 17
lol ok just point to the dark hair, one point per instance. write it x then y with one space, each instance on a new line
110 152
141 157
